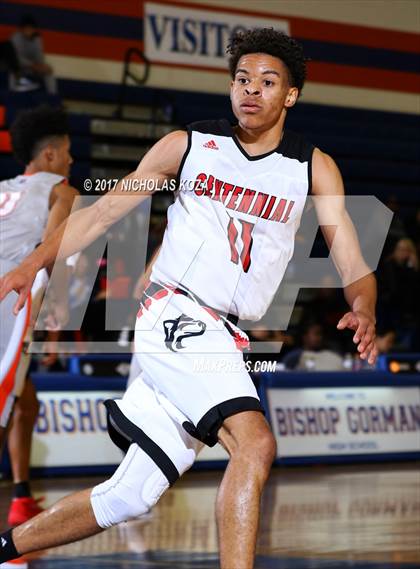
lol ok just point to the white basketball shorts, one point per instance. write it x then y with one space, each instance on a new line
191 357
12 333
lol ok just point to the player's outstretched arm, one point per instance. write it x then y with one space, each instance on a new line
84 226
61 202
339 232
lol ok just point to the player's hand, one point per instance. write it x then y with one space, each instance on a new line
364 326
20 280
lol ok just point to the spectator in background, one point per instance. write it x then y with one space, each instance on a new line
29 50
119 287
313 353
266 346
156 230
385 340
10 62
111 302
399 285
325 305
413 229
119 283
397 229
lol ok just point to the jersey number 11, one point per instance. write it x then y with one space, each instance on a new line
246 236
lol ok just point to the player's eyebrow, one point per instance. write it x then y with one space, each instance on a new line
266 72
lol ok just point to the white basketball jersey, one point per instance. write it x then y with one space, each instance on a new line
24 205
231 229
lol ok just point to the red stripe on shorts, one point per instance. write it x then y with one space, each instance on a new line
6 386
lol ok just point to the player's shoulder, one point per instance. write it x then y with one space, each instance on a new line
323 162
170 148
43 177
296 146
173 140
64 190
326 177
4 184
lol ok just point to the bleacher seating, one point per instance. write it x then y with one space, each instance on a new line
377 152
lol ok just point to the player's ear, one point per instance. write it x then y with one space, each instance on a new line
291 97
49 152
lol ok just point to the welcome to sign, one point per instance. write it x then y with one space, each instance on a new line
336 421
195 37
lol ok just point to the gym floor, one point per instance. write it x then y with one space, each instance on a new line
353 517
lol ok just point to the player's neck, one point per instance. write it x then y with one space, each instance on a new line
30 170
34 167
257 142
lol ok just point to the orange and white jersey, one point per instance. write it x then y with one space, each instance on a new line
24 208
12 332
231 230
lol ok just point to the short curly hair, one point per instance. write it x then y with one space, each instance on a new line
271 42
34 128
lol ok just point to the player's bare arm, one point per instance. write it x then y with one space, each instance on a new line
62 198
61 203
145 277
340 235
84 226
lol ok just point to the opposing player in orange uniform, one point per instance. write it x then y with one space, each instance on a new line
32 206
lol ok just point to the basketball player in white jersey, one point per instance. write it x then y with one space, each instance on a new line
32 205
229 238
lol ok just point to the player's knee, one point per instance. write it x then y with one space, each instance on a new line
133 490
258 451
115 501
268 448
26 410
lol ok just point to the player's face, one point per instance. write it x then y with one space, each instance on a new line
61 159
260 92
29 31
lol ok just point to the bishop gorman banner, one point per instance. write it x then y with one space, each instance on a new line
345 421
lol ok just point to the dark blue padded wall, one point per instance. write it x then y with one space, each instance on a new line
378 152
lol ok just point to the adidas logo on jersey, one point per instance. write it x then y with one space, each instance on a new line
211 144
3 542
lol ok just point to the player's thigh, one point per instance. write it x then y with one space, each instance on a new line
27 402
195 362
146 418
135 370
12 331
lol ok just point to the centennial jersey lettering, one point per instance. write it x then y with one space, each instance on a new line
231 230
244 200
